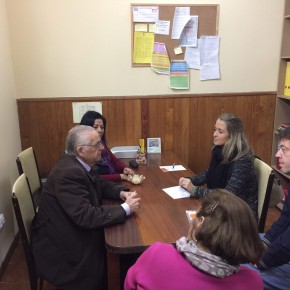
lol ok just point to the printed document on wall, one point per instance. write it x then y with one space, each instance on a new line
192 56
162 27
181 17
209 58
179 75
143 47
188 35
160 60
145 13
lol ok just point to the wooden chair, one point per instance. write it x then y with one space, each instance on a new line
25 212
26 163
265 176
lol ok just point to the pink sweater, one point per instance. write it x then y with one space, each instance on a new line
161 266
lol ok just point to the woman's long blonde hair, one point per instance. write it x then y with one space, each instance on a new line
237 145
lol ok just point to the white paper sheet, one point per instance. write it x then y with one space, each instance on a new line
176 192
145 13
172 168
209 58
181 17
162 27
192 56
188 35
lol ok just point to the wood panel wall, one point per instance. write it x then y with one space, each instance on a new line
184 123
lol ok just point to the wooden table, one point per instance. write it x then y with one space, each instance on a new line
160 217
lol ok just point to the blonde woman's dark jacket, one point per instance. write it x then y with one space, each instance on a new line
237 177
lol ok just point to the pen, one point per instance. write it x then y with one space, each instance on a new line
173 165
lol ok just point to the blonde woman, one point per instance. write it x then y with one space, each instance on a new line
231 166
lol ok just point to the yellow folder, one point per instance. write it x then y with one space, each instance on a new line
287 80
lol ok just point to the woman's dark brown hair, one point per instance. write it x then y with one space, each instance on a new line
89 118
229 229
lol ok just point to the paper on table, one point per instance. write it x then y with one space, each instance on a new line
172 168
176 192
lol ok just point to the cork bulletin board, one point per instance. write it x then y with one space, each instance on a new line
208 16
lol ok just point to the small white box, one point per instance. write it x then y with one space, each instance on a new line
125 151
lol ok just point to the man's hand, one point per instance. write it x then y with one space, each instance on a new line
131 199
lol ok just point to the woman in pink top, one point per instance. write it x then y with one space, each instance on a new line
109 167
223 235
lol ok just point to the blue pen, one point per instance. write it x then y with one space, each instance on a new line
173 165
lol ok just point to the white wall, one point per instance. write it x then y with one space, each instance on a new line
10 140
75 48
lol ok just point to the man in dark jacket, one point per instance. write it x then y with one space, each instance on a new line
67 235
274 266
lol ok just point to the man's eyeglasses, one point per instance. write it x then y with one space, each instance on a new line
98 145
283 149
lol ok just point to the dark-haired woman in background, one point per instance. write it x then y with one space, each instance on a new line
109 167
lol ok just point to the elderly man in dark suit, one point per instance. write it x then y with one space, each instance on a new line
67 236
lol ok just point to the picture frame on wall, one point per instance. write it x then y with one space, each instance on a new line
154 145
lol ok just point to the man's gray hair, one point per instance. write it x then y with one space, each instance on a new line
76 137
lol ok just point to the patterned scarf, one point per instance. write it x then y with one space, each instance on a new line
208 263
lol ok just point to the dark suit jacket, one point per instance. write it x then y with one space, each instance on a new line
67 233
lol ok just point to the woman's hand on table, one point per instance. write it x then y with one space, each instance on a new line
128 171
186 184
124 176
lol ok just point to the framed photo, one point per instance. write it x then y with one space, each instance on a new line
153 145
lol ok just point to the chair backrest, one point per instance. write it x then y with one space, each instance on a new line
24 213
265 176
277 193
26 163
